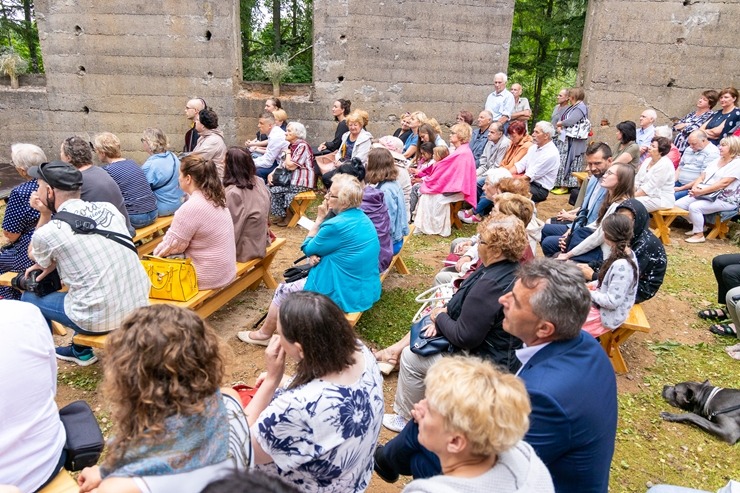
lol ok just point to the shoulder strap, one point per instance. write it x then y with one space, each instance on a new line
86 226
174 168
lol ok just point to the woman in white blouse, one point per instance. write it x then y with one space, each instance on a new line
656 177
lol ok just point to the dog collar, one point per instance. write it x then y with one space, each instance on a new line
714 392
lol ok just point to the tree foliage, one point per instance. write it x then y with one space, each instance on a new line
545 48
19 32
277 27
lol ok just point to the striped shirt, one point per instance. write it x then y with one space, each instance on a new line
130 178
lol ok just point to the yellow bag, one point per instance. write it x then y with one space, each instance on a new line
171 278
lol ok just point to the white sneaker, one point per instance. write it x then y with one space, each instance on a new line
394 422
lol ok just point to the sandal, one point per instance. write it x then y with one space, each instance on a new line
713 314
387 362
723 330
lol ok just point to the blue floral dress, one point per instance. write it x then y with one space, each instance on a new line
321 436
21 219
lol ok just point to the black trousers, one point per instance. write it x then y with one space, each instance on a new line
539 193
727 272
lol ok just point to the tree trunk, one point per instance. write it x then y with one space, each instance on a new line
276 89
30 36
276 25
14 82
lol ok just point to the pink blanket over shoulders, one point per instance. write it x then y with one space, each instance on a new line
455 173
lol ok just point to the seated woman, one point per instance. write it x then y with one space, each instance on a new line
340 109
248 201
382 172
20 218
355 144
520 144
299 161
395 146
449 180
411 144
138 197
343 247
173 429
655 180
727 273
162 169
695 119
473 419
471 320
628 152
202 228
715 190
33 437
586 244
320 432
724 121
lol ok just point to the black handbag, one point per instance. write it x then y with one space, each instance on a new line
297 272
84 439
428 346
281 177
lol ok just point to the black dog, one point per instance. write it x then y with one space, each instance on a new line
713 409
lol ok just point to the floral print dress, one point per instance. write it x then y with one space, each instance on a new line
321 436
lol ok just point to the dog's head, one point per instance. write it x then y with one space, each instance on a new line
685 395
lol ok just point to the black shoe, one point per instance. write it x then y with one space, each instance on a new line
383 468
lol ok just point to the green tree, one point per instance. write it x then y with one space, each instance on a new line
545 47
19 31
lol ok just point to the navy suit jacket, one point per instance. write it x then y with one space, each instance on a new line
573 391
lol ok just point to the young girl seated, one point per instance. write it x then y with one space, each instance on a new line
613 294
429 156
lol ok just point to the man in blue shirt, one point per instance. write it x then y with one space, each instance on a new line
480 135
500 102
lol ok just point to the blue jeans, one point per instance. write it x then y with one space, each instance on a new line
682 193
577 236
263 172
409 456
141 220
52 308
550 242
484 206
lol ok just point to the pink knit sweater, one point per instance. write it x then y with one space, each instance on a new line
205 234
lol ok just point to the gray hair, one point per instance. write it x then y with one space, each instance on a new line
298 129
497 127
156 140
501 74
699 134
23 156
546 127
664 131
489 113
651 114
349 191
563 298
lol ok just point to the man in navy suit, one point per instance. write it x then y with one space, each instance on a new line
569 379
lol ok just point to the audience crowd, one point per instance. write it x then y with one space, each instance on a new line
487 396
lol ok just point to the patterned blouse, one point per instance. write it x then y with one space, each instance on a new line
20 219
301 155
321 436
692 121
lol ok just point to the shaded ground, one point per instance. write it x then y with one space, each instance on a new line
678 348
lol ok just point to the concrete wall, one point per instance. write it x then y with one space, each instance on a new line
659 54
142 60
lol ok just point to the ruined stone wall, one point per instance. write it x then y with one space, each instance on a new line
660 54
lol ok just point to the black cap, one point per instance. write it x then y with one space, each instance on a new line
58 174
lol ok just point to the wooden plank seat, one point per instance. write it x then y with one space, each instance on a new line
249 275
300 205
661 221
155 231
610 342
456 207
62 483
582 177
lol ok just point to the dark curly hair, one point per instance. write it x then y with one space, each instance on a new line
208 118
162 361
78 151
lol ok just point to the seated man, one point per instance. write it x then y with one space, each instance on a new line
574 413
276 144
598 160
541 162
211 144
106 281
695 159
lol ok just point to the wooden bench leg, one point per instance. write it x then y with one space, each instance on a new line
266 276
663 232
299 208
454 209
401 266
720 228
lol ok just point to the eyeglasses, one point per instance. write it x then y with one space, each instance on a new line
609 172
333 196
483 242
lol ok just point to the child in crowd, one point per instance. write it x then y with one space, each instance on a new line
427 157
613 294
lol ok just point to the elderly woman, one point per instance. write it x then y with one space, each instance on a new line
20 218
520 144
470 321
202 228
248 201
382 172
724 121
571 154
340 109
138 197
473 419
174 430
343 246
656 177
319 432
355 144
715 190
299 161
449 180
695 119
628 152
162 169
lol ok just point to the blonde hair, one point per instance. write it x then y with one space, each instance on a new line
156 140
489 407
440 152
504 233
435 125
108 144
515 205
463 130
358 116
280 116
348 191
733 143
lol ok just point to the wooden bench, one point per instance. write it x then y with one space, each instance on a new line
62 483
661 222
720 228
636 322
300 205
456 207
400 267
582 177
155 231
